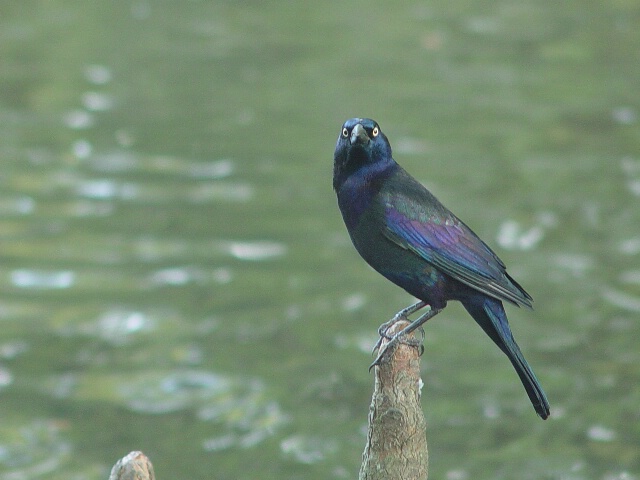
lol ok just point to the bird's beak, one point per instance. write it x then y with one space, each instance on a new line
359 135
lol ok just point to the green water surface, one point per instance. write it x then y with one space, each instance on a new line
175 276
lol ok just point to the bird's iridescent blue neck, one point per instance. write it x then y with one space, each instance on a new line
357 190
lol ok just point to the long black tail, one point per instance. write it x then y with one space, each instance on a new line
490 315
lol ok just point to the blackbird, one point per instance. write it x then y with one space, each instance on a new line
408 236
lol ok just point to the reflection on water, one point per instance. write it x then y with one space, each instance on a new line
308 449
39 279
176 278
511 236
623 300
241 407
35 449
256 250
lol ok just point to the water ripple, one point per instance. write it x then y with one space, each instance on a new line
577 264
630 246
42 279
631 276
96 101
241 406
98 74
262 250
211 170
308 449
118 325
232 191
6 377
105 189
601 433
22 205
34 450
79 120
622 300
511 236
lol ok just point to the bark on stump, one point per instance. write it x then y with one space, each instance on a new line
396 446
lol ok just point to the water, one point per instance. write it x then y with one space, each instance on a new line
176 278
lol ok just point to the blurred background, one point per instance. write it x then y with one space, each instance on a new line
175 276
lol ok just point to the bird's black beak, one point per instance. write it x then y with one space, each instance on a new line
359 135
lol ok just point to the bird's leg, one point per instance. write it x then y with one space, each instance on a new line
401 315
406 330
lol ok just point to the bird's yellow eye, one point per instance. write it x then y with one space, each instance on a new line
345 132
375 131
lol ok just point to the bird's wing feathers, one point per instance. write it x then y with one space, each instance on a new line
447 243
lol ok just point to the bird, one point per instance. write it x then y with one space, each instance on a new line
404 233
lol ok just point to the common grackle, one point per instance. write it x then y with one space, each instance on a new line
409 237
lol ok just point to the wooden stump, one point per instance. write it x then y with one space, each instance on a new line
396 446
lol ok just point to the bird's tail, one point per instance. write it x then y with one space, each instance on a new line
490 315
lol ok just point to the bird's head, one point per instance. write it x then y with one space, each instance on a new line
361 147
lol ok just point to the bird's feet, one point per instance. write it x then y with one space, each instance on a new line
394 341
397 338
401 315
402 335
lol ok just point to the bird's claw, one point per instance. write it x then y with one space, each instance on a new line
384 328
401 336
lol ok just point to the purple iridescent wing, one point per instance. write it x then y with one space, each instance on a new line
444 241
